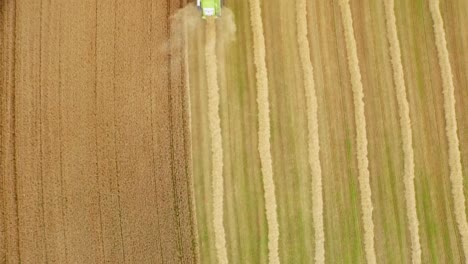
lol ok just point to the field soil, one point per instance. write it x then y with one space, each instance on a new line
95 147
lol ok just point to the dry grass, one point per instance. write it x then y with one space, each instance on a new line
451 126
391 120
313 138
361 134
406 130
264 133
216 140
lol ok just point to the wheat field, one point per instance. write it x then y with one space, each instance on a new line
282 132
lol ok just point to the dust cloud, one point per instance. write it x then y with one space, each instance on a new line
187 20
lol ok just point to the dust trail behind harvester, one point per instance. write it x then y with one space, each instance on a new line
406 130
216 140
313 137
264 133
451 127
183 22
361 134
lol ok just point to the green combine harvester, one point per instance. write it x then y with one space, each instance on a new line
210 8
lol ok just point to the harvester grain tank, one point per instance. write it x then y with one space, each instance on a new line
210 8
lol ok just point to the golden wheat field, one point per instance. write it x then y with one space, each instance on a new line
300 131
94 153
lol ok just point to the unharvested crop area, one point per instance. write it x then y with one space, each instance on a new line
343 129
94 152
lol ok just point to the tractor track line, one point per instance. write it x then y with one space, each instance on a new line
313 137
406 130
216 141
264 133
451 127
361 134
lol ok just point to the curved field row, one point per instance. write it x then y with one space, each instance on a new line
456 176
361 135
313 137
216 141
406 130
264 133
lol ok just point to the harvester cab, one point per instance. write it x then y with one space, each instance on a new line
210 8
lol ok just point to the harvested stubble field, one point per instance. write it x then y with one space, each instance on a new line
368 135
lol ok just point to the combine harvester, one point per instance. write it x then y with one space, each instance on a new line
210 8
